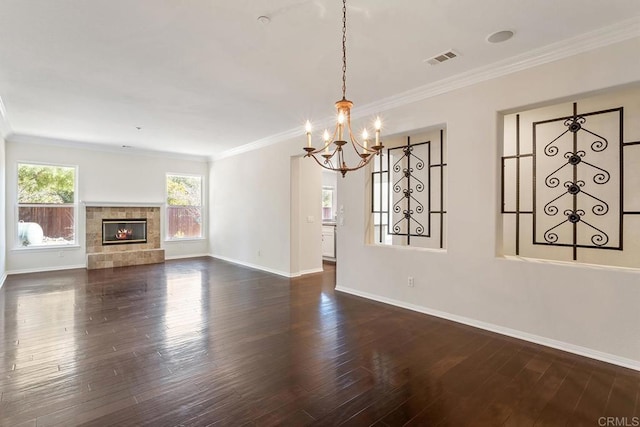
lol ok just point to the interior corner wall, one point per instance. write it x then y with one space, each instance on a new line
3 194
309 216
251 196
103 176
576 307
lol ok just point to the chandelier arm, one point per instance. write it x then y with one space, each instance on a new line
321 163
322 150
363 162
356 144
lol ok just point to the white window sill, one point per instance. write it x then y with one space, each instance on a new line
45 248
186 239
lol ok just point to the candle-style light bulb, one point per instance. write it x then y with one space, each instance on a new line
340 125
378 125
325 136
365 136
308 129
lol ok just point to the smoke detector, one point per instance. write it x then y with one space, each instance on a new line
442 57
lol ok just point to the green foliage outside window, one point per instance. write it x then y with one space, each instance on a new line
327 198
43 184
184 190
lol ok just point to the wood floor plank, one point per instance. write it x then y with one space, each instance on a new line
202 342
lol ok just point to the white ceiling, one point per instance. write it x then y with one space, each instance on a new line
202 77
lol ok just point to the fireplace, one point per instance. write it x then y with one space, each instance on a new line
111 226
124 231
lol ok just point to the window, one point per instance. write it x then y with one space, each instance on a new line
46 205
184 207
327 204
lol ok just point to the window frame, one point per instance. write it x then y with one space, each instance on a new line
203 203
75 205
333 205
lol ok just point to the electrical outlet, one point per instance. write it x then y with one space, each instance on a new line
259 252
410 281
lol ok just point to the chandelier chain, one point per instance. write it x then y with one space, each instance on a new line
331 155
344 49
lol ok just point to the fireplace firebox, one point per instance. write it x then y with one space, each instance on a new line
124 231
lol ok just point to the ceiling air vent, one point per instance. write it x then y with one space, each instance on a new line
442 57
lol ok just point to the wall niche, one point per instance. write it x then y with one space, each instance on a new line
570 185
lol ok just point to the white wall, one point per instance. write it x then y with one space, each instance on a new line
588 307
103 176
580 308
251 211
3 240
309 216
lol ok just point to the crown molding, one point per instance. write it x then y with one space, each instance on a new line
21 138
260 143
619 32
5 128
586 42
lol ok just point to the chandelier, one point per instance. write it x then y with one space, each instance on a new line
331 155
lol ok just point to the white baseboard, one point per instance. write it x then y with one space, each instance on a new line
44 269
303 272
2 279
548 342
254 266
168 258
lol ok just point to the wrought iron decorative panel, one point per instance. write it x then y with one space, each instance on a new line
405 186
577 181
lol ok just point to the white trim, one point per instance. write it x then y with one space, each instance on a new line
169 258
45 269
616 33
601 37
570 264
2 279
304 272
260 143
250 265
185 240
548 342
123 204
45 248
5 127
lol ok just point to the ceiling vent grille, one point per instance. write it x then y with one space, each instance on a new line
442 57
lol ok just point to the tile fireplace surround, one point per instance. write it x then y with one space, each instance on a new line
99 256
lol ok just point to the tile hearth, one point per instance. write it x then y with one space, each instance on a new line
101 256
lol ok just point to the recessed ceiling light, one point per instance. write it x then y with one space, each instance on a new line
500 36
126 146
139 127
264 20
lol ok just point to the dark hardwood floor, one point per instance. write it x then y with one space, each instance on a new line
205 342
